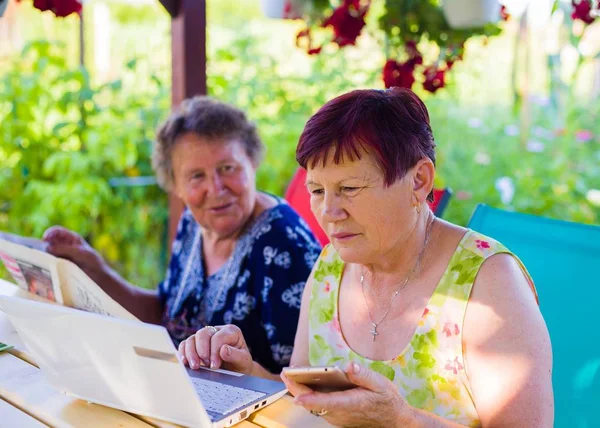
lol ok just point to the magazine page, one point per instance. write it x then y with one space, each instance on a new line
81 292
32 270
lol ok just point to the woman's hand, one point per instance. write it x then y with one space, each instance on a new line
375 402
215 347
69 245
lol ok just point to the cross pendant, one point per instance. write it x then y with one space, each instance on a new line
374 331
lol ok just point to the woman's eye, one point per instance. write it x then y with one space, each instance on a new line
350 189
227 168
197 176
316 192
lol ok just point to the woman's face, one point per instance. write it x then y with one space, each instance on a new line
216 181
361 216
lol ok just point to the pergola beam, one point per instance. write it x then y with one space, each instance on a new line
172 6
188 56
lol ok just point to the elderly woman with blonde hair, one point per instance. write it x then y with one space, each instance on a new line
241 257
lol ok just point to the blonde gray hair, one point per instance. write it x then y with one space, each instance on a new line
205 117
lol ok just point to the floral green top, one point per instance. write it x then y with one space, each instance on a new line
430 371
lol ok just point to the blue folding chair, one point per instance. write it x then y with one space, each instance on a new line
563 258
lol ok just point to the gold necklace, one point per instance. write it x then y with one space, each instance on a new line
374 324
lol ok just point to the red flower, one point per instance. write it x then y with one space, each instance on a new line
314 51
347 21
426 311
42 5
398 74
414 56
61 8
581 10
64 8
504 13
434 79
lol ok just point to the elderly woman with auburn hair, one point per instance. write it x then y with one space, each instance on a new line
241 257
435 324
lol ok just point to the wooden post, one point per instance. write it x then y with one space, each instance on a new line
188 47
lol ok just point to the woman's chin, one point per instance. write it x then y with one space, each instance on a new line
350 254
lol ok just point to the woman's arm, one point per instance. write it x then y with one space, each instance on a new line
142 303
64 243
507 349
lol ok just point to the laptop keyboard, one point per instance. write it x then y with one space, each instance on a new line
220 398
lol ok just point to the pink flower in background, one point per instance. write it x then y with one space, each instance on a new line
463 195
583 136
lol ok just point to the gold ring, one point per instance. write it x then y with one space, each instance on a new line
321 412
212 329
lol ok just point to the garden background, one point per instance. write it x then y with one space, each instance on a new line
517 123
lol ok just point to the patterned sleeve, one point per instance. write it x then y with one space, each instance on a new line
287 252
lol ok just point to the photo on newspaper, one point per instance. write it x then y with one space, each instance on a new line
55 279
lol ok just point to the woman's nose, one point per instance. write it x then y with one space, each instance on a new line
332 209
216 185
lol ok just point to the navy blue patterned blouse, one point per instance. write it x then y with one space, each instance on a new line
259 288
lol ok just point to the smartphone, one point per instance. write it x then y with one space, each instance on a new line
323 379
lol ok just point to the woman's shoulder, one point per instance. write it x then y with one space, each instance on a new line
283 223
481 245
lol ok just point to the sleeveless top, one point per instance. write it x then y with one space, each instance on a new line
429 372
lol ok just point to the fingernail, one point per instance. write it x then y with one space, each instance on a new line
202 363
194 364
228 350
213 365
355 368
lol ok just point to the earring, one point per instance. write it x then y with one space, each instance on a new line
418 208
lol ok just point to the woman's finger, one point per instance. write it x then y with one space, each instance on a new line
225 335
181 352
203 345
366 378
238 360
191 353
295 388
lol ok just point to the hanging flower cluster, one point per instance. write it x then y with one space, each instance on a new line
582 10
406 25
60 8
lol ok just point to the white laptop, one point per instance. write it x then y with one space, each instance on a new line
132 366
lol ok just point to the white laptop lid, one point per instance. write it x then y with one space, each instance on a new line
124 364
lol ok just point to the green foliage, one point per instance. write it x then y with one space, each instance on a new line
62 139
243 74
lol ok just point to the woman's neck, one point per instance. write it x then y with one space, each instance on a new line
406 258
222 246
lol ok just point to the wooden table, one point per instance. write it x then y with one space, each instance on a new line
28 400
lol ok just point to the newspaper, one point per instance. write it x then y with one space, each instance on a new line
55 279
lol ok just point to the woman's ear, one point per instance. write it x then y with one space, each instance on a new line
423 179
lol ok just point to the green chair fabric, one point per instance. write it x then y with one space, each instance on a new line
564 260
